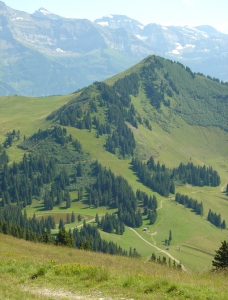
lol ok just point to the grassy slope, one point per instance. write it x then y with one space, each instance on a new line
37 271
180 143
26 114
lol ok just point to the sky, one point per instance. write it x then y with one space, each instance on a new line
164 12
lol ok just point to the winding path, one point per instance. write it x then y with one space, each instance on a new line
163 251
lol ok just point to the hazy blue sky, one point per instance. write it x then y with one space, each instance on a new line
165 12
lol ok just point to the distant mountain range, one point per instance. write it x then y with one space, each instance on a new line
44 54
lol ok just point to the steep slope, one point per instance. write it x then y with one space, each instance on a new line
37 270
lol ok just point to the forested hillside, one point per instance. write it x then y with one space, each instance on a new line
123 153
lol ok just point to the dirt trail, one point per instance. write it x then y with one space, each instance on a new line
163 251
224 187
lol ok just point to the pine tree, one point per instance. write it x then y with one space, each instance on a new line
170 235
68 219
46 238
67 198
223 225
221 258
61 223
79 218
153 257
97 218
72 217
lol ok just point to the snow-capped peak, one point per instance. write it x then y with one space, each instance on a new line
44 11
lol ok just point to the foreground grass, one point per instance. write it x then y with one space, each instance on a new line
37 271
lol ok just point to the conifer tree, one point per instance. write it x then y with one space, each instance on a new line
72 217
61 223
79 218
221 258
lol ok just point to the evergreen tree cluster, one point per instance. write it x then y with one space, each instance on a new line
172 85
161 179
152 216
41 175
150 205
11 136
4 158
216 220
88 237
100 127
128 85
114 191
22 181
154 176
163 261
122 139
190 203
168 241
148 125
148 201
198 176
56 134
119 110
58 192
110 223
155 89
15 222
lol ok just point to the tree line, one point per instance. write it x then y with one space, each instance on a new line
115 192
162 180
216 220
154 176
189 202
196 175
110 223
16 223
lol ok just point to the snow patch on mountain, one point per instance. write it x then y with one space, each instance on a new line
44 11
143 38
179 47
141 26
103 23
19 18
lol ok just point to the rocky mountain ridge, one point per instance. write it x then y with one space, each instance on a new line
43 53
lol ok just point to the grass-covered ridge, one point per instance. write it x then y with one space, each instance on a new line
199 100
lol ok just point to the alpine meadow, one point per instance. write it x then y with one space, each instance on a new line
118 190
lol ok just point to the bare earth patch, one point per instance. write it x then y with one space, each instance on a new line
49 293
58 294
